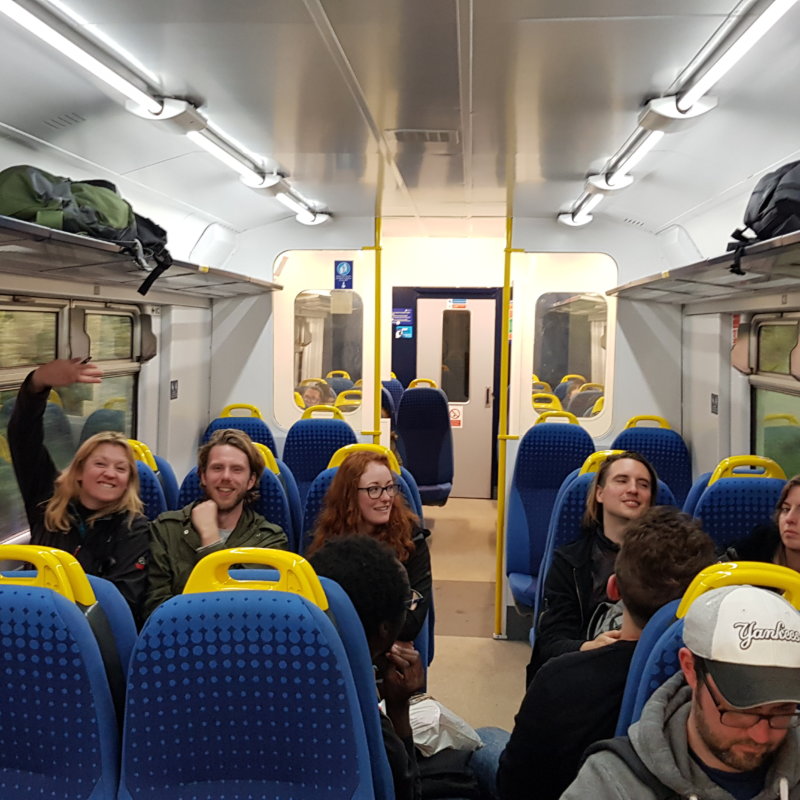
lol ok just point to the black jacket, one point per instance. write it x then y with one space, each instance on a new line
418 568
761 545
402 762
114 547
568 605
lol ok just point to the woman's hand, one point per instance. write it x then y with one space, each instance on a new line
63 372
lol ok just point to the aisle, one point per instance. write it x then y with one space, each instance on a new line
477 676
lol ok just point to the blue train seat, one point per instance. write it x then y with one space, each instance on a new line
269 677
698 487
101 420
169 483
582 403
254 426
664 448
339 384
547 454
413 496
387 404
309 445
395 389
286 478
652 632
150 491
272 502
423 424
72 750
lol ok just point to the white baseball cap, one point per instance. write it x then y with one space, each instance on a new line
749 639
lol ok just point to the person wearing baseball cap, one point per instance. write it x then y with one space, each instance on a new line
725 726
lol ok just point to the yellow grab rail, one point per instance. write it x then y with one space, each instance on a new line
595 460
117 403
790 418
545 400
269 457
364 447
254 411
634 421
338 373
573 377
598 406
312 381
534 378
541 386
571 418
752 573
417 381
349 397
307 414
589 386
296 575
141 452
298 400
726 468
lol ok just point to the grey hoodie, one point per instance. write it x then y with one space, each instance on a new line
660 740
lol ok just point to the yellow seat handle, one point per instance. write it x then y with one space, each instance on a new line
55 397
296 575
422 382
311 381
726 468
534 378
54 570
589 386
791 419
269 457
571 418
254 410
634 421
348 397
752 573
545 400
298 400
541 386
116 403
308 413
595 460
364 447
338 373
141 452
573 377
392 375
598 406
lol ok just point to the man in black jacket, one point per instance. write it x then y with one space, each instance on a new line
575 699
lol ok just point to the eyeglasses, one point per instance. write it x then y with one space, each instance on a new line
746 719
374 492
413 601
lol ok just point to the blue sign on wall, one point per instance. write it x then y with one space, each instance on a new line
343 275
404 332
402 316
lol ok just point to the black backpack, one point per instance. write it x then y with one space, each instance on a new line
772 210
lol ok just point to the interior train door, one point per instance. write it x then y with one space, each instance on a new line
455 347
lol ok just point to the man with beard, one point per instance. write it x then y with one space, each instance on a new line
229 466
723 727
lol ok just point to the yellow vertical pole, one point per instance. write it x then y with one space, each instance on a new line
375 433
502 436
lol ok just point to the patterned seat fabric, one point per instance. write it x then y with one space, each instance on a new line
255 428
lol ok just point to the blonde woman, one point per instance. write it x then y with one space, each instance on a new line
92 509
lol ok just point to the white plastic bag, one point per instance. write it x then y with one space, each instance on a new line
436 727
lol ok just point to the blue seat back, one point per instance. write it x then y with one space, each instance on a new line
698 487
661 664
58 435
169 483
58 736
151 491
286 478
423 423
339 384
309 445
547 454
267 678
272 503
395 389
730 508
665 449
652 632
560 390
102 420
581 403
387 404
412 497
255 428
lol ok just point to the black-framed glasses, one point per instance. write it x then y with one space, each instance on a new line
732 718
413 601
374 492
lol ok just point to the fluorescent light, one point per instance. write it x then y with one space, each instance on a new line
732 55
292 203
200 138
634 156
581 213
68 48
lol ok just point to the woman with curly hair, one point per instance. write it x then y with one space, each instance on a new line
365 498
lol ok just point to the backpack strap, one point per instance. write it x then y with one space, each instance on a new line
622 748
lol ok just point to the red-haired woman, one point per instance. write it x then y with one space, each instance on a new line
365 498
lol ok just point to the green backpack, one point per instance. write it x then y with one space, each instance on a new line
88 207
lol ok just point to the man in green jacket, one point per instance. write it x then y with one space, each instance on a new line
229 466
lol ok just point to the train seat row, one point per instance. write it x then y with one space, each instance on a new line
275 696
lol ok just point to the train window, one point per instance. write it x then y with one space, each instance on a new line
570 347
110 336
328 330
455 355
777 428
27 337
776 340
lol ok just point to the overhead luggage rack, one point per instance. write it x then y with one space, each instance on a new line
770 267
34 250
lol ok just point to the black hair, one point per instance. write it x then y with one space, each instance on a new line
370 574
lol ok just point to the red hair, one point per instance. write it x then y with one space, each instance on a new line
341 514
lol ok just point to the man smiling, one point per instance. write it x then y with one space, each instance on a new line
726 725
229 466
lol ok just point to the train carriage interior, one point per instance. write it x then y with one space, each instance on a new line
435 225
